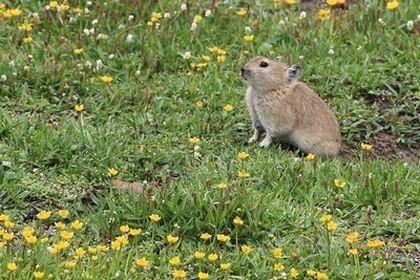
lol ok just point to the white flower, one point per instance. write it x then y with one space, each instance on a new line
88 64
86 31
418 17
157 24
121 26
12 63
207 13
186 55
381 21
193 26
130 38
102 36
137 73
26 67
94 22
3 78
72 19
331 52
111 56
47 8
92 31
410 25
89 3
183 7
359 47
130 17
6 163
196 147
302 15
248 29
282 22
30 56
300 57
14 74
87 11
167 15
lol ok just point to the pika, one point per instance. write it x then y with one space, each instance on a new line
287 109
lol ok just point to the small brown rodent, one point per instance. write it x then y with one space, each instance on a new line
285 108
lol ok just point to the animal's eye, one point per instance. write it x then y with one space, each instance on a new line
263 64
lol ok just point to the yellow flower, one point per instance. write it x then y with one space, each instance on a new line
199 255
246 249
243 155
134 232
27 40
53 5
70 264
112 172
326 218
79 108
43 215
339 183
249 38
205 236
106 79
213 257
77 11
43 240
310 156
366 147
199 104
39 274
15 12
28 231
124 229
79 253
324 14
149 24
202 275
392 5
228 108
67 235
8 236
92 250
11 266
63 213
155 218
225 266
64 7
122 239
311 272
371 244
172 239
238 221
2 6
142 262
60 225
4 217
157 15
175 261
197 19
179 274
62 245
26 26
279 267
241 12
321 276
77 225
31 239
8 224
220 59
206 58
116 245
277 253
291 2
243 174
221 186
353 251
331 226
78 51
223 238
332 2
294 272
352 237
194 140
102 248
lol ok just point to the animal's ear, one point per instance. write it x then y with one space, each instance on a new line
294 73
277 58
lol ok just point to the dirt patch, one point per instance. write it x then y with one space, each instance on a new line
385 146
402 257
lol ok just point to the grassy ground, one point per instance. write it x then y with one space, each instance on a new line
362 61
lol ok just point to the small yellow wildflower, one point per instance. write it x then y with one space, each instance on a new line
324 14
15 12
199 104
64 7
243 155
366 147
175 261
249 38
199 255
77 11
79 253
26 26
44 240
392 5
142 262
203 275
79 108
331 226
106 79
225 266
28 231
8 224
31 239
172 239
122 239
277 253
243 174
206 58
321 275
149 24
63 213
241 12
60 225
92 250
78 51
223 238
238 221
205 236
67 235
291 2
228 108
220 59
112 172
134 232
310 156
102 248
353 251
179 274
8 236
39 274
339 183
213 257
197 18
279 267
70 264
352 237
221 186
294 272
53 5
311 272
4 217
332 2
116 245
246 249
43 215
77 225
28 40
371 244
11 266
155 218
124 228
326 218
194 140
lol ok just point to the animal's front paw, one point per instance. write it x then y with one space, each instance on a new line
265 143
253 139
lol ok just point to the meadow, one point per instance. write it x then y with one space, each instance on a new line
123 132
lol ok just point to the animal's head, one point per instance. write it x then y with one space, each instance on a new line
270 74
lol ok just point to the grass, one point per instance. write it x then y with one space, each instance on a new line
54 157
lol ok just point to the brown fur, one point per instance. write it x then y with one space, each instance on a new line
285 108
